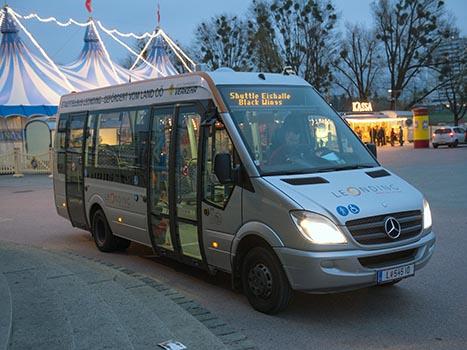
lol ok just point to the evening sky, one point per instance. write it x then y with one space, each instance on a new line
178 18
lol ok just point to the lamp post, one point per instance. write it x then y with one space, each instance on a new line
394 95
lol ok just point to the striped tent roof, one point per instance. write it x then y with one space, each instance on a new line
25 79
94 68
158 58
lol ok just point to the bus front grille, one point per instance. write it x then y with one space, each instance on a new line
371 230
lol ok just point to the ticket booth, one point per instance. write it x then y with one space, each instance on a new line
365 124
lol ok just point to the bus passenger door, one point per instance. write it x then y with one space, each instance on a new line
173 182
159 223
184 181
74 175
221 204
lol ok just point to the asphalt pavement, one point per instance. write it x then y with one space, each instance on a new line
428 311
51 300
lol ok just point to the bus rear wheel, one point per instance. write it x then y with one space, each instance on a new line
105 240
264 282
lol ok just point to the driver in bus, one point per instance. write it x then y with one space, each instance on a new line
292 145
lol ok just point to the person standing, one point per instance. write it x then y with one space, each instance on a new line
393 137
380 136
401 136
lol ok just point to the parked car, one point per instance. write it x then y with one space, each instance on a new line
450 136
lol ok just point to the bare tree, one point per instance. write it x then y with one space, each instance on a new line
454 73
223 42
305 31
262 41
410 31
358 63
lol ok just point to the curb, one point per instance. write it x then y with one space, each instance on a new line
230 337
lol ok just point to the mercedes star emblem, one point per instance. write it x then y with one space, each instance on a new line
392 227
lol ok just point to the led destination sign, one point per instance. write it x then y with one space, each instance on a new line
245 99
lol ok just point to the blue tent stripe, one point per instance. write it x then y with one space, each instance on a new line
27 111
42 88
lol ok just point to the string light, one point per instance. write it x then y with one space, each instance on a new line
53 19
42 51
140 56
176 50
128 48
105 51
182 56
129 35
170 41
83 24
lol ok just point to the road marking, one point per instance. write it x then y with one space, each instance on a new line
5 219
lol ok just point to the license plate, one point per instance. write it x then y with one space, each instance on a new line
395 273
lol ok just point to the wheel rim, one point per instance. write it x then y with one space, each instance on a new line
100 230
260 281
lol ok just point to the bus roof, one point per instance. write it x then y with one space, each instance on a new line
227 76
175 88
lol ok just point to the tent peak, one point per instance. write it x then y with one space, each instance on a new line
8 23
90 35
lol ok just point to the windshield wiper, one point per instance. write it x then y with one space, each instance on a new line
319 170
292 172
345 167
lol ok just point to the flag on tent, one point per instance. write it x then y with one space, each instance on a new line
88 6
158 14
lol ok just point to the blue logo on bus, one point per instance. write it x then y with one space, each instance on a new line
353 209
341 210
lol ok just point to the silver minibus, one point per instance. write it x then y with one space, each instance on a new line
253 174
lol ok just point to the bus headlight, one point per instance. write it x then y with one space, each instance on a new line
427 222
317 228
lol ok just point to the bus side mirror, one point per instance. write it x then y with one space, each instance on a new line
223 168
372 148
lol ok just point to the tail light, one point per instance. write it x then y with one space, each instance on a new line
451 134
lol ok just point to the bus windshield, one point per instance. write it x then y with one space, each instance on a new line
292 130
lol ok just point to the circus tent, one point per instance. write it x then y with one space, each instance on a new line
161 64
29 84
94 68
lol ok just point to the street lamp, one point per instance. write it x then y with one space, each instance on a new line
394 94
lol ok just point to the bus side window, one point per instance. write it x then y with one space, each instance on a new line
217 141
133 136
107 140
89 157
60 144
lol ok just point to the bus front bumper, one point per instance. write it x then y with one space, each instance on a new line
326 272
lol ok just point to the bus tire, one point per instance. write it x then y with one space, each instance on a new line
264 282
102 234
122 243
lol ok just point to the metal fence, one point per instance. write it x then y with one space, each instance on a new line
19 163
7 163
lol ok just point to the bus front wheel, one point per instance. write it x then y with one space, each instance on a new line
105 240
264 281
